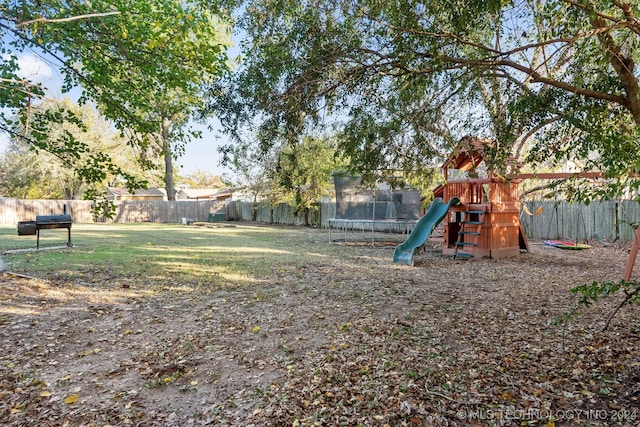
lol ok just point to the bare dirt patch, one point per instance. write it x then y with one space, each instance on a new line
347 338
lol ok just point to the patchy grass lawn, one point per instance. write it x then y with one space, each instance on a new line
165 325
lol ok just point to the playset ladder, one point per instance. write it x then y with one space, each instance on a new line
469 234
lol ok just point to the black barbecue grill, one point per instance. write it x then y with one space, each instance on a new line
45 222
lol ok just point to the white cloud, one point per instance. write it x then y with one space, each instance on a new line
33 68
4 141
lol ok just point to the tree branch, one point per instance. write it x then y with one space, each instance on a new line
628 296
532 132
497 57
539 78
552 184
632 22
72 18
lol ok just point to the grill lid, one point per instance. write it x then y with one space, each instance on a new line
53 219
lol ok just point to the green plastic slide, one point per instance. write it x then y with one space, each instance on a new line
423 229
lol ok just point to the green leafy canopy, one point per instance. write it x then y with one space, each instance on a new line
138 60
401 83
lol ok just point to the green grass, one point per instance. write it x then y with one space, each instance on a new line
160 251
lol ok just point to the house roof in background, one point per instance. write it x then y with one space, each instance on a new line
140 192
205 193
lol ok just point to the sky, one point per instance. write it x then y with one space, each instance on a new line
201 154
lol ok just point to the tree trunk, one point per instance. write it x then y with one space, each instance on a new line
254 208
624 67
168 160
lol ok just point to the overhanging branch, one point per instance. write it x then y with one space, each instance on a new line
70 19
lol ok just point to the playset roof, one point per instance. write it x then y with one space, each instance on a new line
468 154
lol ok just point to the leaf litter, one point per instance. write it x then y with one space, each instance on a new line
343 337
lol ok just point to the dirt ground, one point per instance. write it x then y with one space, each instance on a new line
345 340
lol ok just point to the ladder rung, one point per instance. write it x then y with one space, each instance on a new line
472 222
470 233
466 244
462 255
475 212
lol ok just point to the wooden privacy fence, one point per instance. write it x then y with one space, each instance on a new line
12 210
608 220
279 214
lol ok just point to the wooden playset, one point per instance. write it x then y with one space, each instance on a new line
486 223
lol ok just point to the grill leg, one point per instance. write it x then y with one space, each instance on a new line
69 244
37 238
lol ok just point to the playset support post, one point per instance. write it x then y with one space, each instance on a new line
632 257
